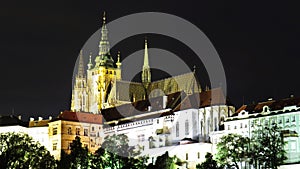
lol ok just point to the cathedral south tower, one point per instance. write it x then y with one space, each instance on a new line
101 76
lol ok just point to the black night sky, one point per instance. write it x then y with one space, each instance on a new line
258 42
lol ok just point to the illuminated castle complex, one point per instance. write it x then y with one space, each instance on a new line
102 85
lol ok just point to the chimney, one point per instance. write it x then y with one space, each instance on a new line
31 119
165 101
40 118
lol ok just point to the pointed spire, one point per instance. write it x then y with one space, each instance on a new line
146 74
104 58
80 72
118 61
90 64
104 44
146 60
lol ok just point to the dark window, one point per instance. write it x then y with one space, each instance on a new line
69 131
54 131
77 131
85 132
54 146
293 119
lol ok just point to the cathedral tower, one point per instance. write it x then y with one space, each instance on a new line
79 95
102 76
146 74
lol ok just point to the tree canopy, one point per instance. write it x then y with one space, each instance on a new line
208 163
18 150
232 149
267 146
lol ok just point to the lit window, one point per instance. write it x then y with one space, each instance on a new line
77 131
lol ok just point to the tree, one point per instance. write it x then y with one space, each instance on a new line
232 149
79 156
165 162
208 163
267 146
115 153
20 151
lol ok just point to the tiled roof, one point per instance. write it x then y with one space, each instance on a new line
11 121
272 104
80 117
175 102
203 99
141 107
186 82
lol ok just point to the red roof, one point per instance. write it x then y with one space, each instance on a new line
80 117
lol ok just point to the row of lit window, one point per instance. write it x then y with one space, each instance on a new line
77 131
266 122
107 72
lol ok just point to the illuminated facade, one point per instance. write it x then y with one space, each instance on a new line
285 113
179 123
101 85
68 125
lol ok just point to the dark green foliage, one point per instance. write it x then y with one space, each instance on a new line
78 158
165 162
267 147
115 153
209 163
20 151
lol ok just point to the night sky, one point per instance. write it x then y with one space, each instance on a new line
258 43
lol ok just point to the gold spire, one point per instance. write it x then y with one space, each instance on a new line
90 64
104 17
118 61
146 74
